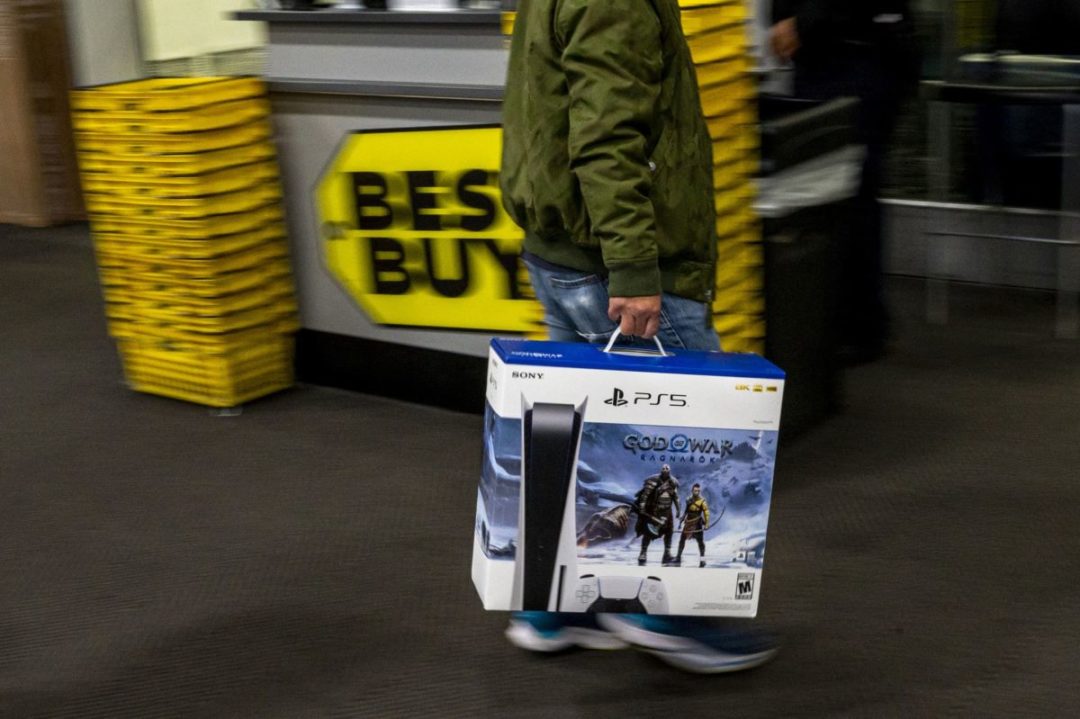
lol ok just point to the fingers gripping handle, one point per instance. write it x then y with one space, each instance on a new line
616 334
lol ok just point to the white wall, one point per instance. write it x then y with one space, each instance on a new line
103 36
173 29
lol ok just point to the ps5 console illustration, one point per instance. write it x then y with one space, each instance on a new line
547 521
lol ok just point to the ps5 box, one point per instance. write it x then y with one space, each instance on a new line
625 481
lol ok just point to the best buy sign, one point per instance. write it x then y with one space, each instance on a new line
412 227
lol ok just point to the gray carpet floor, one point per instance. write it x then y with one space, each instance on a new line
310 557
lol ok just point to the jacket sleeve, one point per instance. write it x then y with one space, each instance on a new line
613 62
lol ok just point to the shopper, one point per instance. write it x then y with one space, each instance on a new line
607 165
864 49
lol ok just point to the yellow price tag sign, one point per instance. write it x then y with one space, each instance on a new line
413 228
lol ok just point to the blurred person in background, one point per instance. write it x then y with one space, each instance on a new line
607 166
864 49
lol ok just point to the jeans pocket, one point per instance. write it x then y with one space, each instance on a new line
669 334
686 324
584 301
570 282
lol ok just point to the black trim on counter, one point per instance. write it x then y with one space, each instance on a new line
414 374
978 93
415 90
375 17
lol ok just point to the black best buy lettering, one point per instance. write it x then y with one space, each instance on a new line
417 205
451 210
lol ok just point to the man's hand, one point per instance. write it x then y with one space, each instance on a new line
637 316
784 39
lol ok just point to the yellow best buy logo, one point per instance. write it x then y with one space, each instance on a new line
413 229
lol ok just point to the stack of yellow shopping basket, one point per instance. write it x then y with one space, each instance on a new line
718 34
182 187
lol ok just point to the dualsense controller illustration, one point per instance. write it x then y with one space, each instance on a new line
546 569
632 595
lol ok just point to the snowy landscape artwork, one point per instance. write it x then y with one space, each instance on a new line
733 467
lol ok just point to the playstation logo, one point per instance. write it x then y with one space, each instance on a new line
617 399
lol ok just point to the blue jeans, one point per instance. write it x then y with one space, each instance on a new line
576 310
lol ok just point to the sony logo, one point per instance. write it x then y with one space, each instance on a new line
527 375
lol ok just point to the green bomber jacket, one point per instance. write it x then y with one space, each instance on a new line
607 162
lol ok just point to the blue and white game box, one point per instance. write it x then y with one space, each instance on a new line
625 481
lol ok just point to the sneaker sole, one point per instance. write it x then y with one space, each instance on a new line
684 653
524 636
714 662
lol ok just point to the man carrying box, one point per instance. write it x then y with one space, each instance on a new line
607 166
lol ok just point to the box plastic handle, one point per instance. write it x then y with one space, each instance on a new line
616 334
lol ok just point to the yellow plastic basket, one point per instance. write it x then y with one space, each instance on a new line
730 322
155 250
728 98
724 44
182 208
684 4
734 200
151 145
119 283
734 224
217 377
741 254
150 168
737 277
241 252
164 301
165 94
724 70
232 179
212 117
255 259
174 322
705 19
741 120
190 229
164 331
749 307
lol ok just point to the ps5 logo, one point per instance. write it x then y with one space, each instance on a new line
618 399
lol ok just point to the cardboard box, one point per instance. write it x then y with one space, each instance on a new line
575 440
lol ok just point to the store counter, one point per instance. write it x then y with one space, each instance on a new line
335 72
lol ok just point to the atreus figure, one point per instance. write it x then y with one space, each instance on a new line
695 523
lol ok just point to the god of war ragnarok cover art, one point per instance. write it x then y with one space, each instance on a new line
645 495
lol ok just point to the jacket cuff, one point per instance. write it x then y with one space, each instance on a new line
639 279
